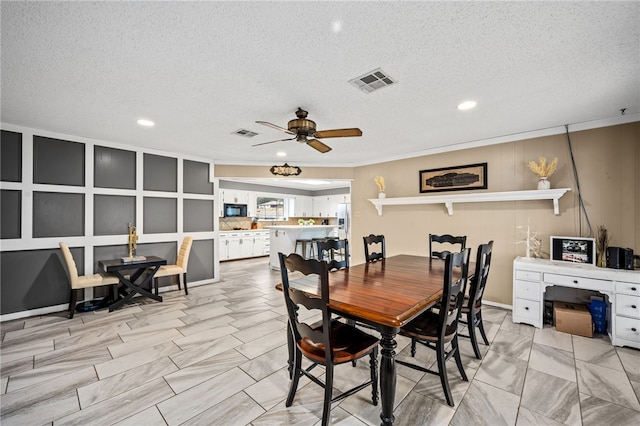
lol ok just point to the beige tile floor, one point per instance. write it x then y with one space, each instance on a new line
218 357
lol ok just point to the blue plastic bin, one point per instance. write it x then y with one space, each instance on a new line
598 310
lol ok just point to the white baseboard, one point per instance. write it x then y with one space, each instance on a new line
497 305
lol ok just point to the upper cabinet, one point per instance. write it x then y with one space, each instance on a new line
234 196
302 206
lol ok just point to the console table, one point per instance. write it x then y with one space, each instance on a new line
531 277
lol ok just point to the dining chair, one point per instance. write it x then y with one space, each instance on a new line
471 312
335 252
327 342
438 329
369 242
180 267
78 283
448 240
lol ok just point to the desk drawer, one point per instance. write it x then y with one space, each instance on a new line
528 309
628 288
628 328
577 282
628 305
527 290
527 275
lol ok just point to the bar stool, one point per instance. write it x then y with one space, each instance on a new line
304 243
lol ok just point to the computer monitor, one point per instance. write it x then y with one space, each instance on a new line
573 249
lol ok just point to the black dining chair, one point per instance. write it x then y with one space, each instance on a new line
471 312
374 242
329 342
438 329
449 242
334 252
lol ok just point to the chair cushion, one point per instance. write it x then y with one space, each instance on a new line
348 344
95 280
166 270
425 327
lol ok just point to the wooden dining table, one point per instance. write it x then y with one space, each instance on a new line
386 295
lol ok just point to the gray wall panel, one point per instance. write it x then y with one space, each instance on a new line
114 168
160 173
10 214
113 214
35 278
201 261
57 214
58 162
198 215
11 156
196 178
160 215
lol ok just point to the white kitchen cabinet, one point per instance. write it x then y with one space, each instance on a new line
321 206
252 205
243 244
235 196
302 206
531 277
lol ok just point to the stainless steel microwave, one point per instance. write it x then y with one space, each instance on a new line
235 210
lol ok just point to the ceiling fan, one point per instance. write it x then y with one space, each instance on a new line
304 129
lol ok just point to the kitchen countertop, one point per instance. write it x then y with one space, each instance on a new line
301 226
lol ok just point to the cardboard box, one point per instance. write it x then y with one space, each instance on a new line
573 318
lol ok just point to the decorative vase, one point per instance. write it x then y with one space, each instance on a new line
602 259
381 194
544 183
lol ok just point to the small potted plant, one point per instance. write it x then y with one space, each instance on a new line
543 170
379 180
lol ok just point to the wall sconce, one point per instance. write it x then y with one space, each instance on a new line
285 170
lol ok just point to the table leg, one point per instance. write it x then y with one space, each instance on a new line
388 375
134 288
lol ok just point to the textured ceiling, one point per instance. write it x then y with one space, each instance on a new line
202 70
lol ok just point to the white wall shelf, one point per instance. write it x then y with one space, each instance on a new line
481 197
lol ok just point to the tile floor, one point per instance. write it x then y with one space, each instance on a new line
218 356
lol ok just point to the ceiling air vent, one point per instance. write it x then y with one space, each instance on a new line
245 133
374 80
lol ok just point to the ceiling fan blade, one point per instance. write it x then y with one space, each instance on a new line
317 145
279 140
266 123
337 133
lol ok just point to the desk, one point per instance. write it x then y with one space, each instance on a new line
137 283
386 295
531 277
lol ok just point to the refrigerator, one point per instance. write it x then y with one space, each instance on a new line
344 221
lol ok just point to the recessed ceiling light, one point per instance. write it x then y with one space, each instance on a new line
281 154
467 105
337 26
146 123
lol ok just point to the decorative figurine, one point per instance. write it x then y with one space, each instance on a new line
133 240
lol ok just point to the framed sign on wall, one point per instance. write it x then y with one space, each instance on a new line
456 178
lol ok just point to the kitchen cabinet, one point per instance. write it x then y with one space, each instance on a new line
302 206
234 196
327 205
243 244
252 205
531 277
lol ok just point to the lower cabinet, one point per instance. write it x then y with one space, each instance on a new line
241 245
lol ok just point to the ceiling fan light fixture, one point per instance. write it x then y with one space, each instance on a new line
285 170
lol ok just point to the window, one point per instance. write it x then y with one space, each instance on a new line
270 208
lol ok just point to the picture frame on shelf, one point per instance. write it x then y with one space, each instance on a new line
456 178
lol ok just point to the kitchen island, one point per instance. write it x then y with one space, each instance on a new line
283 238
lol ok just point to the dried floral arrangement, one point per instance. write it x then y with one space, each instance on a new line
542 168
602 240
380 182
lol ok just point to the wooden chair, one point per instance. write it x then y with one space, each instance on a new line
471 312
436 330
84 281
180 267
372 256
335 252
445 239
329 342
